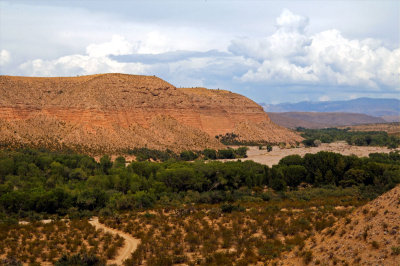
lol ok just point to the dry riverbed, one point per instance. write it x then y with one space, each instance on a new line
273 157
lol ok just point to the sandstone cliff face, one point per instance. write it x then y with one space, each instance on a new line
114 112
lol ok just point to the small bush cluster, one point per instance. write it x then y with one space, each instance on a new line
38 243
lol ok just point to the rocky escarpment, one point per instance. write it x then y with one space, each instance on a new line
115 112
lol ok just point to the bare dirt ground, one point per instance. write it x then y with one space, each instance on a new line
273 157
130 244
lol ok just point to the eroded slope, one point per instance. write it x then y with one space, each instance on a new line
368 236
115 112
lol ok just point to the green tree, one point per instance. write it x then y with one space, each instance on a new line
226 154
78 174
210 154
119 162
353 177
188 156
6 167
105 163
269 148
291 160
294 175
241 152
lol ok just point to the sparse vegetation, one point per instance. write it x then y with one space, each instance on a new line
249 233
396 250
37 242
235 139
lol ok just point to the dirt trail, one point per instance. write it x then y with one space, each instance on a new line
130 243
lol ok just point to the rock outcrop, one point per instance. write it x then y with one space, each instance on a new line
115 112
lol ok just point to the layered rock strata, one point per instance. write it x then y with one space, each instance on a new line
114 112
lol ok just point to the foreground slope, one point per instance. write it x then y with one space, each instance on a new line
115 112
368 236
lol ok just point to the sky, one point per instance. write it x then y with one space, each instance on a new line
270 51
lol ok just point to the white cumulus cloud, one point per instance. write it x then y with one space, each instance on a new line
290 57
289 21
95 61
117 46
4 57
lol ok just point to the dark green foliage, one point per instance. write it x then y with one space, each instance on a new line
269 148
307 256
277 184
229 153
210 154
79 260
226 154
294 175
145 154
396 250
234 139
188 156
228 208
229 139
119 162
56 183
359 138
309 142
105 163
291 160
6 167
241 152
10 262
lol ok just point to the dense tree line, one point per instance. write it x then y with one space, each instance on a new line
145 154
359 138
55 183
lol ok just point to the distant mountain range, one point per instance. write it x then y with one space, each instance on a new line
389 109
322 120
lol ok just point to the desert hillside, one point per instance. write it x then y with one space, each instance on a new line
321 120
115 112
391 128
368 236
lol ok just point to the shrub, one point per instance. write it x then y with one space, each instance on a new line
188 156
307 256
228 208
79 260
210 154
226 154
396 250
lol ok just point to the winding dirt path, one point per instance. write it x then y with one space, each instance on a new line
130 243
